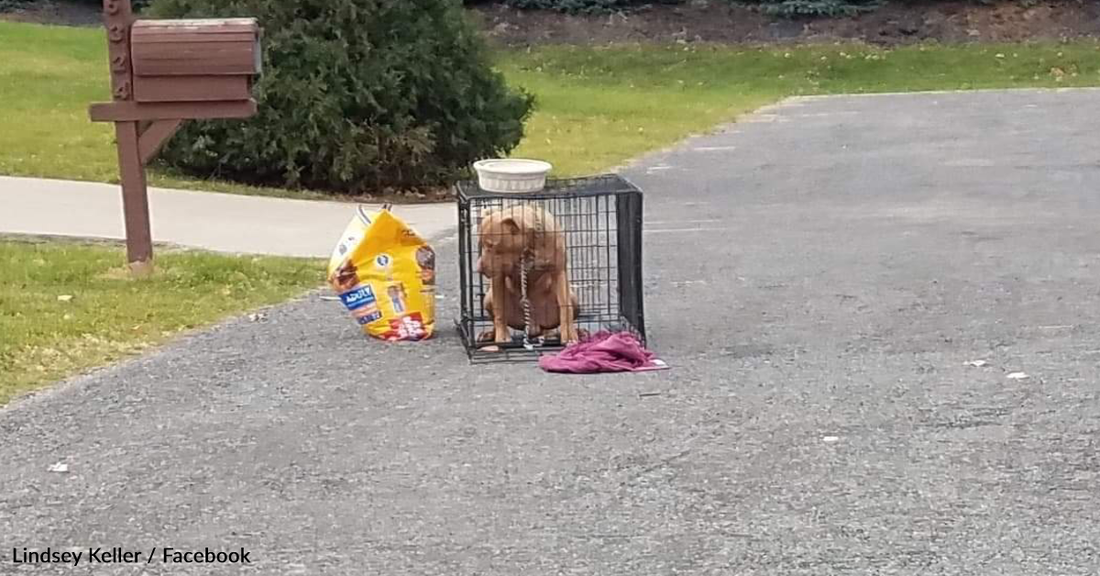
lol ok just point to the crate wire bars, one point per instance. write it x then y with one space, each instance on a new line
600 219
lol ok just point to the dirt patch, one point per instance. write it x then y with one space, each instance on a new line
720 22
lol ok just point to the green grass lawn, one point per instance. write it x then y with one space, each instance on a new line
65 307
598 107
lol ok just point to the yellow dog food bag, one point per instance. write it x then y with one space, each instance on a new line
385 275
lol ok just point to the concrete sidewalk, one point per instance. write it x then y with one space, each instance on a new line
207 220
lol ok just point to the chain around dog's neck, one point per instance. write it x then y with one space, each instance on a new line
526 263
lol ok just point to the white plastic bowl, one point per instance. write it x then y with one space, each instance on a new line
512 175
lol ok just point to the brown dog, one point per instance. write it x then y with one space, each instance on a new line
525 236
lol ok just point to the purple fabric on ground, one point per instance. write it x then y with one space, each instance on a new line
603 352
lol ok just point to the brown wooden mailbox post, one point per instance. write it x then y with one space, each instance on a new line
162 73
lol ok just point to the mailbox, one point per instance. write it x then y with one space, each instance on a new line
164 72
194 60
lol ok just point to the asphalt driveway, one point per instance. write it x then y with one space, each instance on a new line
821 276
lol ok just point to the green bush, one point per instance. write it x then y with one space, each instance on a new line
8 5
356 94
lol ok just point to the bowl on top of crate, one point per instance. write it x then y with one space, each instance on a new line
596 221
517 175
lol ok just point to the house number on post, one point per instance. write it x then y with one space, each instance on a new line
162 73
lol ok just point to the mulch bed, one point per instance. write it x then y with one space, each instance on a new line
721 22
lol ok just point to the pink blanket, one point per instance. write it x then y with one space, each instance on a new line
603 352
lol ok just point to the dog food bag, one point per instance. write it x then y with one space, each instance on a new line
385 276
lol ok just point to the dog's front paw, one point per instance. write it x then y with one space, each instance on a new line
483 339
569 334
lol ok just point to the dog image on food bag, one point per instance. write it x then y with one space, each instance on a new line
346 277
425 258
511 239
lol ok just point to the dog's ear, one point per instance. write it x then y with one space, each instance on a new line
510 225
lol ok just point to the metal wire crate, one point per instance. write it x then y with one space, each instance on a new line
600 218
